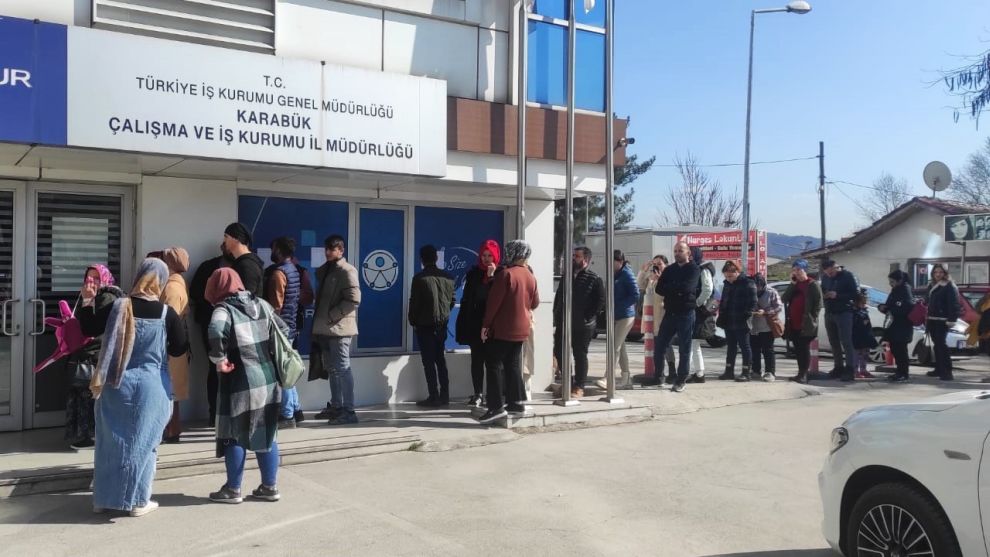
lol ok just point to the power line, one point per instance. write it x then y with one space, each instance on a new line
724 164
847 196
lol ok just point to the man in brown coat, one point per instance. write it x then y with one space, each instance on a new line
508 318
334 326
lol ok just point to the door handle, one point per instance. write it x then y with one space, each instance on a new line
5 315
44 312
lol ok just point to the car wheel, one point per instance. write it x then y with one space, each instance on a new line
898 519
715 341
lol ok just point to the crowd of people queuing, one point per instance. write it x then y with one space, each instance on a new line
128 379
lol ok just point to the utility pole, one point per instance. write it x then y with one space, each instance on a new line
821 187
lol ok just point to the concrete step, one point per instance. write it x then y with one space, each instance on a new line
200 460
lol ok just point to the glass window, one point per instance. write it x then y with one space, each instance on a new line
595 16
589 93
551 8
547 70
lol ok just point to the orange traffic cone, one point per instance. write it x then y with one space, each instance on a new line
647 326
813 363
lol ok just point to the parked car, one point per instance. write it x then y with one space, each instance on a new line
910 479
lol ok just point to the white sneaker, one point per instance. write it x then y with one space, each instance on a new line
769 377
148 507
601 384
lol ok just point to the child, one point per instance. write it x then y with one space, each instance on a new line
863 337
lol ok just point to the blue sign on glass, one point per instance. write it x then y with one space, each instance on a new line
381 252
307 221
33 92
457 234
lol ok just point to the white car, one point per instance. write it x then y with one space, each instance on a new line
911 479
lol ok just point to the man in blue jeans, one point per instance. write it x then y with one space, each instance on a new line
334 326
679 285
840 288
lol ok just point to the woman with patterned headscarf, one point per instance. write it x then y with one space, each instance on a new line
176 296
96 297
133 405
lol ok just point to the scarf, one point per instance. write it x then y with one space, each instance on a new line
491 246
118 340
106 277
223 283
177 259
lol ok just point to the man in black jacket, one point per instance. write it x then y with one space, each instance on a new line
430 301
679 286
587 301
840 288
250 267
202 313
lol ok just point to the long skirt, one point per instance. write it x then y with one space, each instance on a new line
130 420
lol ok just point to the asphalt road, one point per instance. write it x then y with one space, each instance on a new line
737 481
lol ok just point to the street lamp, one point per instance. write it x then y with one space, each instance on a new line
799 7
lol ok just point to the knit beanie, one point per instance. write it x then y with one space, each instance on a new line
238 232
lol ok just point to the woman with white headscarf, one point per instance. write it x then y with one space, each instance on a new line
133 404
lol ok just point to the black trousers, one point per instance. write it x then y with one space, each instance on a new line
431 349
478 367
580 339
802 350
762 345
901 358
212 381
938 330
505 384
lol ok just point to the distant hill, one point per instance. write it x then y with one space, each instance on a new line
784 245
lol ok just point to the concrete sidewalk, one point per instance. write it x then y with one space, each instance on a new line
38 461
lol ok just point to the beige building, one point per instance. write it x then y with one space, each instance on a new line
911 238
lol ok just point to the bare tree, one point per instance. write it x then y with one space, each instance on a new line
888 194
971 185
699 199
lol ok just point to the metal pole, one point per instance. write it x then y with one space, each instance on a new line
521 103
611 341
749 110
567 281
963 279
821 187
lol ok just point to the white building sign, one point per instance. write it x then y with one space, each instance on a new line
156 96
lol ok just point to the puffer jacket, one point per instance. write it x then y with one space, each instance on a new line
626 293
943 302
588 299
738 302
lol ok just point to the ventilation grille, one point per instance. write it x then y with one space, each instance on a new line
241 24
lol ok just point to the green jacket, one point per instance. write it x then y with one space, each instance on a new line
431 298
812 307
337 299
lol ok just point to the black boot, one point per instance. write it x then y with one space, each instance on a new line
728 375
669 380
801 377
744 376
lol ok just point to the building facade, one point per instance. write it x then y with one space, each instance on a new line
129 126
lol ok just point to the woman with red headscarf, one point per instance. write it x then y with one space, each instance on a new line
472 313
249 398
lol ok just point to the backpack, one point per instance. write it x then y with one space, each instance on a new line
288 363
919 313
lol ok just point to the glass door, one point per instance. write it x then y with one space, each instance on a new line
73 227
11 305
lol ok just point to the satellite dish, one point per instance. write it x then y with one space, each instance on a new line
937 176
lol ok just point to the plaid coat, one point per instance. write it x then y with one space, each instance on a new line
249 398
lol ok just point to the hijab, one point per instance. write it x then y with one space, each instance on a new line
118 341
177 259
490 246
106 277
223 283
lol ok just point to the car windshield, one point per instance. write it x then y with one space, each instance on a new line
973 297
876 297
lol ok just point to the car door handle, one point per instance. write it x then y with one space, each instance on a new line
6 315
44 312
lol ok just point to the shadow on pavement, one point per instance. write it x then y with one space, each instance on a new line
781 553
77 508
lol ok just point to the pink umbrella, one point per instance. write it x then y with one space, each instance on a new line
68 334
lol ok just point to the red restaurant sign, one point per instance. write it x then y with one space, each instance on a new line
722 246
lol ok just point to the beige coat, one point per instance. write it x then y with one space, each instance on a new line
647 284
176 296
337 300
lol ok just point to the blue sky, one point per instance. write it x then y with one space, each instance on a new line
853 73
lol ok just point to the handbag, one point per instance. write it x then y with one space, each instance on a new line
776 327
919 313
288 363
